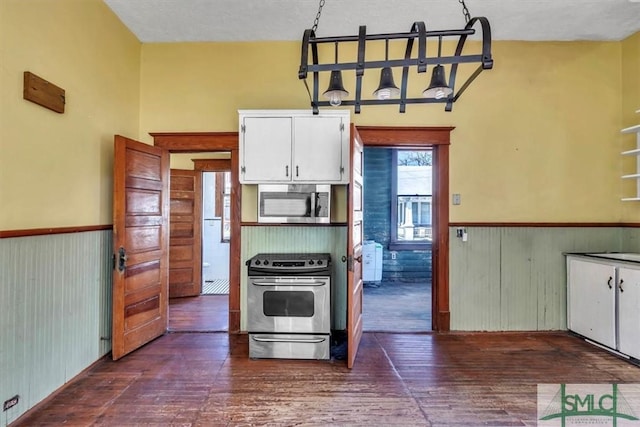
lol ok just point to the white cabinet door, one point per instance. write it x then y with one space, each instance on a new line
319 149
591 300
266 149
629 311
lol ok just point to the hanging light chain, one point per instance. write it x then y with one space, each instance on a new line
465 11
317 20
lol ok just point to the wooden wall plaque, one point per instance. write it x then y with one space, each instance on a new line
38 90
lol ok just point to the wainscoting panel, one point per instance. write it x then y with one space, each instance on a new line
474 279
55 308
266 239
631 239
514 278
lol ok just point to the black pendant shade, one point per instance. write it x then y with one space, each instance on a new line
438 89
335 92
387 88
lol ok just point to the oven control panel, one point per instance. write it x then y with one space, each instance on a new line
293 263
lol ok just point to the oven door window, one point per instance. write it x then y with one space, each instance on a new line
288 303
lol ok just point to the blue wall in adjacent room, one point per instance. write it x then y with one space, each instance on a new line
408 265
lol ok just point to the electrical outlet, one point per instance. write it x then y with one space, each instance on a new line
394 254
8 404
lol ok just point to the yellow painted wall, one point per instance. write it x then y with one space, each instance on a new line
536 138
185 160
56 169
630 104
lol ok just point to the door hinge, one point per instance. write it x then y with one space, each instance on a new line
113 262
243 169
341 170
349 263
242 128
342 127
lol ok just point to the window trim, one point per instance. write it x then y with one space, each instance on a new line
394 243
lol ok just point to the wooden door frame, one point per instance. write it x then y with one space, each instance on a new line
438 139
198 142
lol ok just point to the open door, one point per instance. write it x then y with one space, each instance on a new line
354 249
141 245
185 241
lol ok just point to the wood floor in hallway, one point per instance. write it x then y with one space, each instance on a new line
200 379
204 313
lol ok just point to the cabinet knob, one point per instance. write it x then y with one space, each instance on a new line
286 170
620 285
609 282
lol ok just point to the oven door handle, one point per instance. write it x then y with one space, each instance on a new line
288 283
301 340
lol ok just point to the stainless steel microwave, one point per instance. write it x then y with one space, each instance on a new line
294 203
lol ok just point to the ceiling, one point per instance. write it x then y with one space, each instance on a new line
254 20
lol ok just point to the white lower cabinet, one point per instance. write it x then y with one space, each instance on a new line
629 311
591 299
603 302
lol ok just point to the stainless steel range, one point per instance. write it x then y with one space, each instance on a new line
289 306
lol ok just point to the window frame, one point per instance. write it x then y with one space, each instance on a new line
394 243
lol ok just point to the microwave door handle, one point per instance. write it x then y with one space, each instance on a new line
312 205
316 204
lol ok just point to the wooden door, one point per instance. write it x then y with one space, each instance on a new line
185 241
141 244
354 249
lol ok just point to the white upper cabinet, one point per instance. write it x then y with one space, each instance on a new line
294 146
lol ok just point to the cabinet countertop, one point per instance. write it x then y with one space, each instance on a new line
610 256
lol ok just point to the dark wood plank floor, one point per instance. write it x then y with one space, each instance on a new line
192 379
205 313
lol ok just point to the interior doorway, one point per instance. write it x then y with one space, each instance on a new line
398 233
208 309
216 232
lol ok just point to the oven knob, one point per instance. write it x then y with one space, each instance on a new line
257 262
266 262
319 262
311 262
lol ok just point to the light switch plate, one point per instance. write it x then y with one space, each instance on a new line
456 199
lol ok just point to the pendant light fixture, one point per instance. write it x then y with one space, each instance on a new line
335 92
438 89
387 93
387 88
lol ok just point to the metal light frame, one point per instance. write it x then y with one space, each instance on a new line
418 32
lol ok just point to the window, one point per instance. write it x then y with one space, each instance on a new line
411 198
